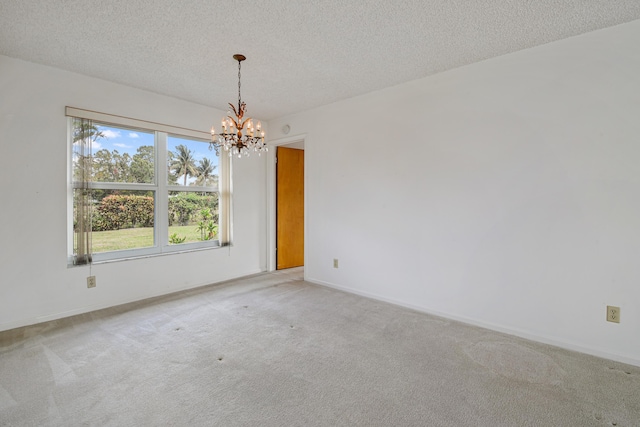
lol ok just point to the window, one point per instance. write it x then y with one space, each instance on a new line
141 188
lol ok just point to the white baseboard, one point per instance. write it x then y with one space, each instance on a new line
487 325
108 304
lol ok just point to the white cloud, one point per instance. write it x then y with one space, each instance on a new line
109 134
133 135
121 145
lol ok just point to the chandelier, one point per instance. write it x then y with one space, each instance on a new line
239 135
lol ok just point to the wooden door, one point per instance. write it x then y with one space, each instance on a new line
289 208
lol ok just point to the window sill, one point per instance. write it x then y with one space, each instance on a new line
149 255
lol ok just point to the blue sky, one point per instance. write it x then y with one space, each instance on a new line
128 141
123 140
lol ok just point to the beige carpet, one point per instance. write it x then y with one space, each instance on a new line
272 350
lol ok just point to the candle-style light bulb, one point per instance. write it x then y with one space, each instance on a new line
259 126
213 131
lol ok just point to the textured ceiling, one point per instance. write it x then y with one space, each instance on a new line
300 54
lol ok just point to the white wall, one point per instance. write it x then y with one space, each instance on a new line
36 284
504 193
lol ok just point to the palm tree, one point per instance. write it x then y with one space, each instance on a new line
84 130
183 163
85 133
205 172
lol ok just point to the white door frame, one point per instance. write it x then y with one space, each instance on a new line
271 198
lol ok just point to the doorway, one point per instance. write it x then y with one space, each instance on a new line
289 207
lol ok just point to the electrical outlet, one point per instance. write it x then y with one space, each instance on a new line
335 263
91 282
613 314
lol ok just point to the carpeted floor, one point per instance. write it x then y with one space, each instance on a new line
272 350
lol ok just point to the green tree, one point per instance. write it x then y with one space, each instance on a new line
111 166
205 172
103 165
207 226
183 164
122 167
142 165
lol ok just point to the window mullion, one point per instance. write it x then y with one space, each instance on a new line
119 186
162 196
192 188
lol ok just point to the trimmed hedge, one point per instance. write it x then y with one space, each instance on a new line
123 211
120 211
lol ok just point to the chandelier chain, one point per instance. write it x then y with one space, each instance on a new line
239 99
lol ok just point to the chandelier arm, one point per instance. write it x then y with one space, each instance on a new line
234 110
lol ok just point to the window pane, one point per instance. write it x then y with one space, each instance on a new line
190 162
119 154
193 216
120 220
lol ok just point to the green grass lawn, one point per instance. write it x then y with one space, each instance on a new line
133 238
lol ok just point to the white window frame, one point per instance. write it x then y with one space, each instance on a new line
160 187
